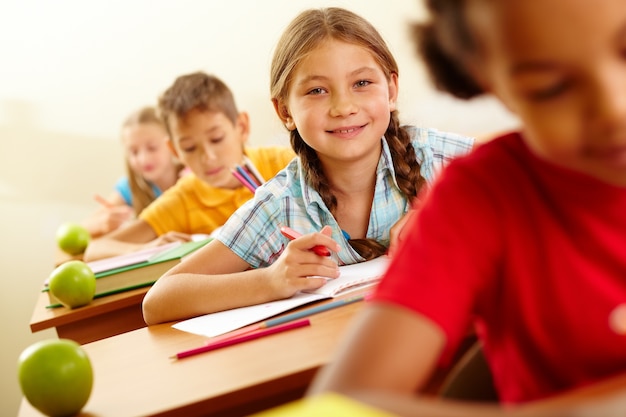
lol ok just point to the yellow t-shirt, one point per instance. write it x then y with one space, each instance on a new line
192 206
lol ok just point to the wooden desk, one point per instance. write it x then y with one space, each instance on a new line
103 317
133 375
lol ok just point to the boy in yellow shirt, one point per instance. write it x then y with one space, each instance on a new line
208 134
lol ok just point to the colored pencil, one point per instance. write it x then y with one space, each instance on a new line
314 310
248 164
291 234
240 339
243 180
289 317
247 176
253 177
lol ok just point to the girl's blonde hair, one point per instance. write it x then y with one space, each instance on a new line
305 33
141 190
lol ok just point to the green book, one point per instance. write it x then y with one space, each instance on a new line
139 275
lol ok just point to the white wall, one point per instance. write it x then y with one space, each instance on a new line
71 70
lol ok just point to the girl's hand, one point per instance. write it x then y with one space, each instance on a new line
299 268
108 219
117 216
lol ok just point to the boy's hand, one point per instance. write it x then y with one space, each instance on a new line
168 238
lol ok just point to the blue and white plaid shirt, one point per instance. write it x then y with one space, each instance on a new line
252 232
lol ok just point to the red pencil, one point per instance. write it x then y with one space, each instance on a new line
243 338
291 234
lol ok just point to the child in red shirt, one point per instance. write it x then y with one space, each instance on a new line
525 237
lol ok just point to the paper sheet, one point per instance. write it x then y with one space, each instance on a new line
215 324
351 277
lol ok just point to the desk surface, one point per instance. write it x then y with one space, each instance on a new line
133 374
45 318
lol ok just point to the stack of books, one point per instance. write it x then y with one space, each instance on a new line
135 270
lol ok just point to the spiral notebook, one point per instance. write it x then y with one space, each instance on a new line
351 278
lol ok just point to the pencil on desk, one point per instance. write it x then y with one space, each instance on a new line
288 318
314 310
240 339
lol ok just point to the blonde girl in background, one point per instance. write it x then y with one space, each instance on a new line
151 168
334 86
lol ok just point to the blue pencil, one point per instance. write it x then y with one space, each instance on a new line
244 181
290 317
244 174
312 310
255 172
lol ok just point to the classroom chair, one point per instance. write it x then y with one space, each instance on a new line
470 378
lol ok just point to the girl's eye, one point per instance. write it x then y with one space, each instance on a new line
362 83
550 92
316 91
189 149
217 140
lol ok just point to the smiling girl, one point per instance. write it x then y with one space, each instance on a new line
334 86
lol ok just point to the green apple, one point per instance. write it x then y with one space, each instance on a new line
73 283
55 376
72 238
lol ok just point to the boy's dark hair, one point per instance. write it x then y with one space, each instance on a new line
199 91
445 43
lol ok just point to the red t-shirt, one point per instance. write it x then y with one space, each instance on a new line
535 254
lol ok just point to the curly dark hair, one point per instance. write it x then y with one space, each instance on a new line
444 42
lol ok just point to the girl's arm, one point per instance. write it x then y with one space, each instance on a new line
390 352
387 348
214 278
386 357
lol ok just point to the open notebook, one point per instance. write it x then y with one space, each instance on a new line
351 278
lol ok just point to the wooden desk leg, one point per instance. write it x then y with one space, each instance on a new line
103 325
